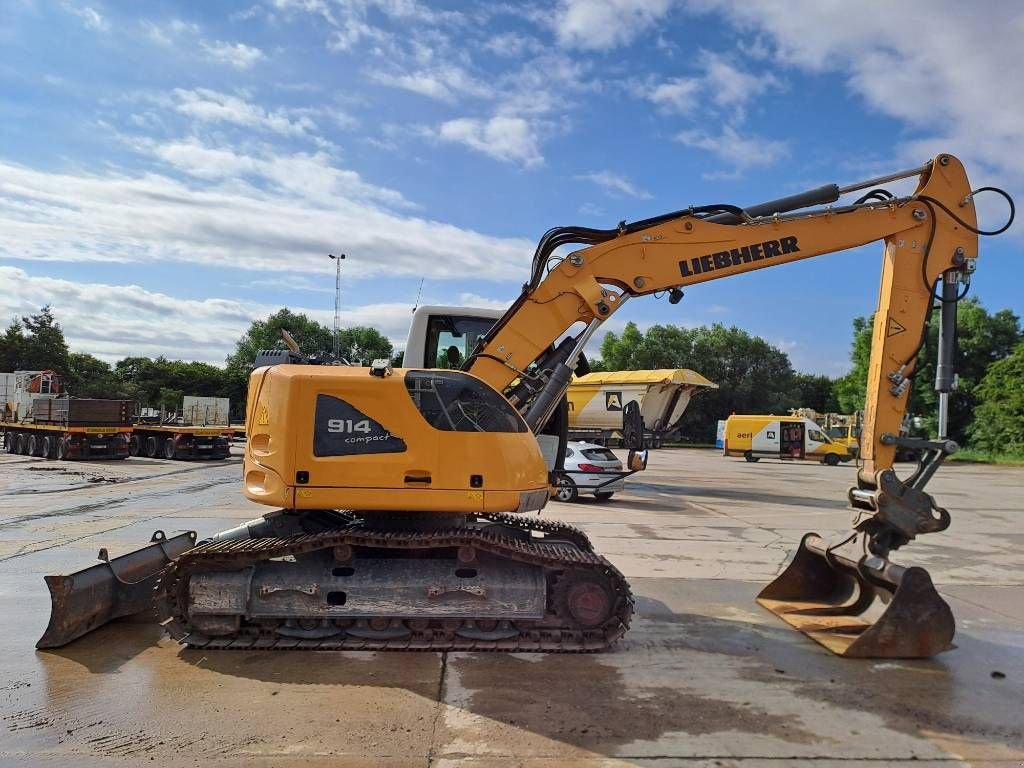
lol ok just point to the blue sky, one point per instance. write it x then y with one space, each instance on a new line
171 171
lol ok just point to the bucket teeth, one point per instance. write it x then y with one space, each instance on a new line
860 607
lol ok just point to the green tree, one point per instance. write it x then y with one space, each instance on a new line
88 376
752 375
12 348
982 339
169 399
998 425
850 389
362 345
150 381
45 347
311 336
814 391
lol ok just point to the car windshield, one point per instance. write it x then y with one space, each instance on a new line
818 436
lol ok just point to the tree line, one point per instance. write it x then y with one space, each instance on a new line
753 376
36 342
986 410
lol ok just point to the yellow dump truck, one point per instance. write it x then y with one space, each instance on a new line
781 437
596 402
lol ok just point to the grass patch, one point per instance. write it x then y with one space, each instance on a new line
984 457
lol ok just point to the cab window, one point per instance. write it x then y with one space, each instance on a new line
450 339
817 436
456 402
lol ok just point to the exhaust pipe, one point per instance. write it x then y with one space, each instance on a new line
83 601
860 605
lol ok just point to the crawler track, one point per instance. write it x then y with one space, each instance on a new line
564 553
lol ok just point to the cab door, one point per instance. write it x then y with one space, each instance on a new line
791 439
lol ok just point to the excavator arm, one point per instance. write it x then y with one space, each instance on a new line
831 591
926 234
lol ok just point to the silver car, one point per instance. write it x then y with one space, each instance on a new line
588 467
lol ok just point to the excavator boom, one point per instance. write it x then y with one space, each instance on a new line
429 464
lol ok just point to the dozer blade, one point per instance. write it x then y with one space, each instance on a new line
82 601
860 606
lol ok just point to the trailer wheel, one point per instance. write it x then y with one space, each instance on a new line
21 444
62 449
151 447
831 459
48 447
9 440
134 445
34 445
749 456
169 448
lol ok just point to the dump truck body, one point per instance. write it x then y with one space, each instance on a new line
597 400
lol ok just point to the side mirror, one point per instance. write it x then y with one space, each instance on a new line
637 460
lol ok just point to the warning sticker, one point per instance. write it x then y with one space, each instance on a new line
894 328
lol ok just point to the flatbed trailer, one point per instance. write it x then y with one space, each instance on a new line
57 441
177 441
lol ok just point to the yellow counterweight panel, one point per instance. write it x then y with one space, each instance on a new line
336 437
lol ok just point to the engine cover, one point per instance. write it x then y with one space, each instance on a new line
336 437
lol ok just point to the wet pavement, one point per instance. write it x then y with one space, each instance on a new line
705 677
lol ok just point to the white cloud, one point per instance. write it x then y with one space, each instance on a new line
589 209
510 139
511 45
605 24
720 83
482 302
91 18
741 152
616 185
167 32
302 209
443 83
211 106
676 95
731 87
951 79
237 55
114 321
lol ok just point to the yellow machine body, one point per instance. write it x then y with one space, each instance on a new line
335 437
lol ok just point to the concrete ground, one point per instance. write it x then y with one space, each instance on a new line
705 677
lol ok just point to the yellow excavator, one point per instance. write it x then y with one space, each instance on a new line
400 495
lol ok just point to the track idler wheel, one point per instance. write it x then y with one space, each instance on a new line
860 605
585 600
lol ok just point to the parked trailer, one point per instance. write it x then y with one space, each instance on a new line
177 441
597 400
71 428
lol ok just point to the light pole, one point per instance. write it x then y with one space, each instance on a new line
337 300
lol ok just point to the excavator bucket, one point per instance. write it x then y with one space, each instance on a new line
82 601
860 607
